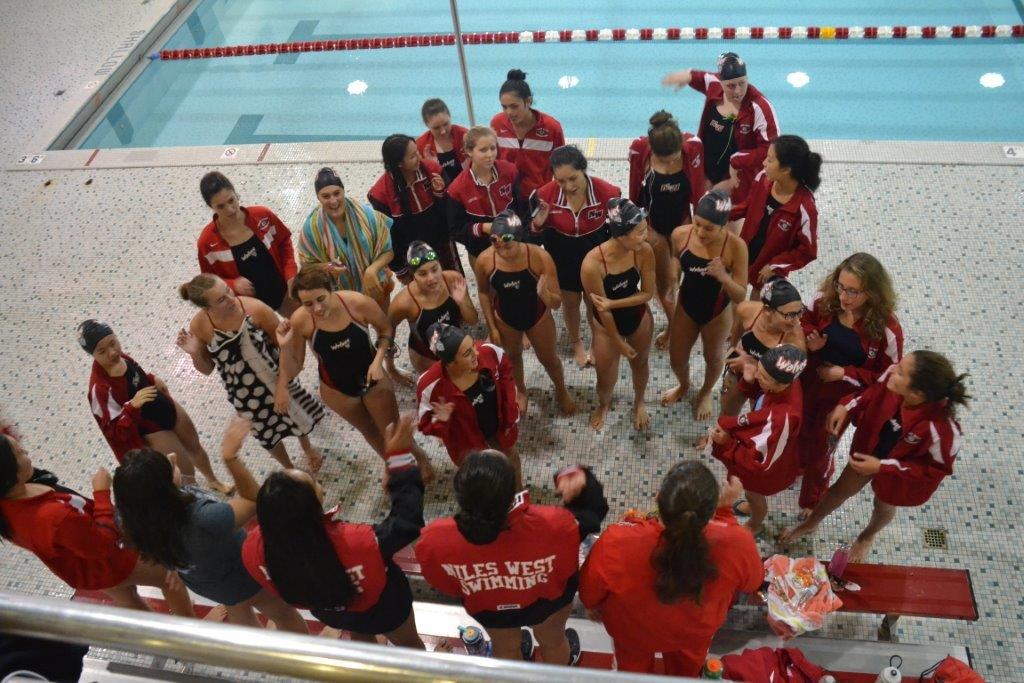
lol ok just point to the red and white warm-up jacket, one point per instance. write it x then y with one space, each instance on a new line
421 196
755 128
461 433
534 558
75 537
118 419
924 454
472 203
428 147
693 163
792 238
763 449
619 580
591 217
532 154
215 255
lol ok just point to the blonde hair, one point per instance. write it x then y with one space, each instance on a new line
195 289
475 134
876 285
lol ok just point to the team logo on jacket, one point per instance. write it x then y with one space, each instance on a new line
872 352
594 214
784 225
912 439
505 190
542 132
718 128
263 224
742 420
745 128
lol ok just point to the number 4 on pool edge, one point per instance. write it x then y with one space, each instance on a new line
1013 151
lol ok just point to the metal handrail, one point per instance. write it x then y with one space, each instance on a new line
460 48
272 652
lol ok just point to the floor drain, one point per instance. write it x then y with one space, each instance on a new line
936 539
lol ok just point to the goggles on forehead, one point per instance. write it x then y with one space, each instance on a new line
415 261
507 237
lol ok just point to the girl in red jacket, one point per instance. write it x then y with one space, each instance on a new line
443 141
75 537
511 563
664 582
468 397
411 193
666 177
134 408
344 573
780 223
905 442
852 336
246 246
759 447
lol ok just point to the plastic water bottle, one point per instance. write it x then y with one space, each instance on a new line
891 673
473 638
713 669
840 558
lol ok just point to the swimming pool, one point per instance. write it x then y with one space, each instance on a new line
876 90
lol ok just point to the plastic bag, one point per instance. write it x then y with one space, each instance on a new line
799 595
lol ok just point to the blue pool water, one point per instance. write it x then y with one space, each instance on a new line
877 90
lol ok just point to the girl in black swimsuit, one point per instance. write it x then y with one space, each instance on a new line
714 265
518 287
619 278
353 382
433 295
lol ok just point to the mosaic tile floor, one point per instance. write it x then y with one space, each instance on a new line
114 244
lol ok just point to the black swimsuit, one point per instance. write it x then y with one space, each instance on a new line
159 415
667 198
516 301
447 312
255 263
890 434
751 345
842 346
719 146
757 241
621 286
701 296
345 356
483 396
450 166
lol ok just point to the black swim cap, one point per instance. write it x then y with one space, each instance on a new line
730 66
444 340
326 177
419 253
507 223
91 332
784 362
778 291
715 207
623 216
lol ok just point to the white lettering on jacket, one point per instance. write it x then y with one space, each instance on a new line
516 575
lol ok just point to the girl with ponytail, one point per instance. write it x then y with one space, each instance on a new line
664 582
526 136
511 563
905 442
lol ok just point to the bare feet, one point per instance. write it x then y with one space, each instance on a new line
220 487
566 404
426 469
217 613
523 399
526 343
794 532
401 377
860 550
582 354
756 530
674 394
701 443
641 420
661 341
314 460
329 632
702 407
597 417
803 514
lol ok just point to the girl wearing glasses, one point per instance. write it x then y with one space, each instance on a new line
518 284
852 337
433 295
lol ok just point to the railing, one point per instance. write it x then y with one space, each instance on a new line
266 651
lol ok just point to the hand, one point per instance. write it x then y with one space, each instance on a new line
543 211
336 268
836 419
571 486
371 284
442 410
102 480
143 396
234 436
734 178
485 228
750 373
719 436
244 287
831 373
816 340
436 184
542 285
741 358
679 79
173 582
764 274
398 435
865 465
458 289
730 491
282 400
284 333
375 373
161 386
601 303
189 343
716 269
627 350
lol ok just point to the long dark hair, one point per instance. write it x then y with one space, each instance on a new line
212 183
804 165
393 152
485 486
682 559
300 558
8 477
876 284
936 379
515 82
153 511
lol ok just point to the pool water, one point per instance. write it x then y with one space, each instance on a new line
878 90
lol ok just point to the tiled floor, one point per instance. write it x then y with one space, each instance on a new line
113 244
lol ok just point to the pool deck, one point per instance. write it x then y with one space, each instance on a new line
111 240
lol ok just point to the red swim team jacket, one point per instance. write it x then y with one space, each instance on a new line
693 164
215 254
590 218
532 154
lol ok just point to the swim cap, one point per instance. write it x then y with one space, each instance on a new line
623 216
91 332
784 362
778 292
326 177
419 253
507 223
444 340
730 66
715 207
